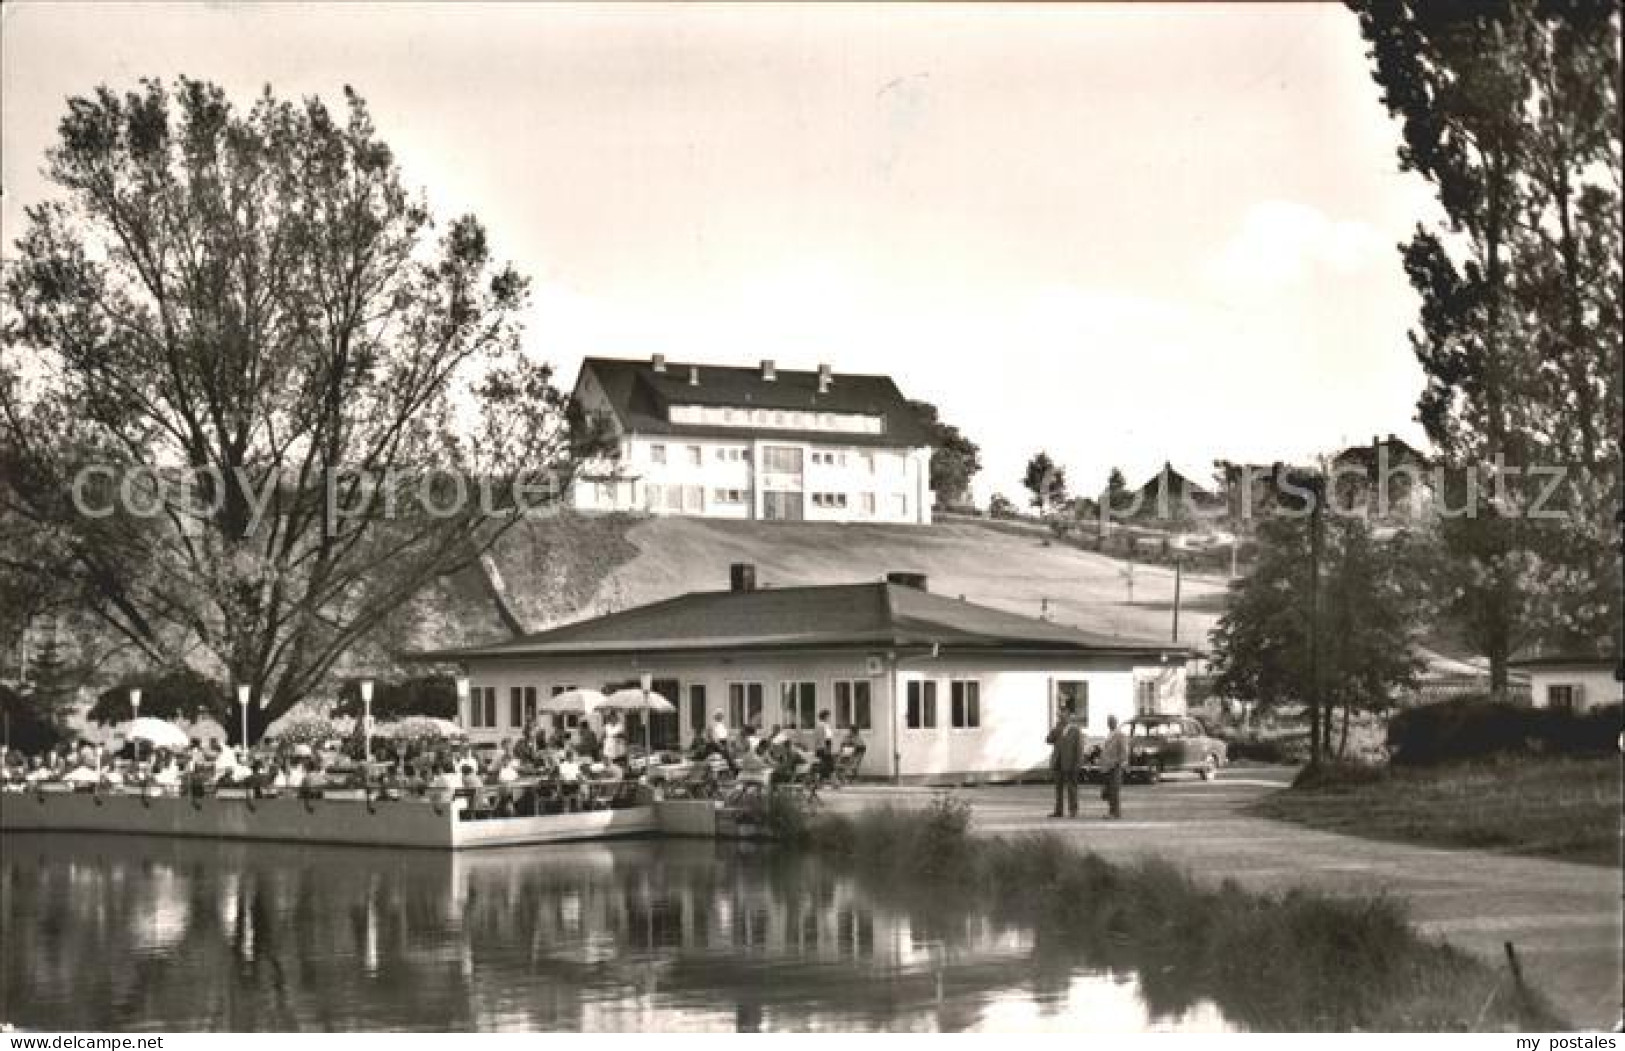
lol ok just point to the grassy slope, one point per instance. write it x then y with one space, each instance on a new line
1561 808
998 569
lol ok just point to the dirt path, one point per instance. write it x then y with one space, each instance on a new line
1564 919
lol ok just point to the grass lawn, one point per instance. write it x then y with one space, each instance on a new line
1566 808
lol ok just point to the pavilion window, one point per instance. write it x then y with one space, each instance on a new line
744 704
965 703
798 703
852 704
921 711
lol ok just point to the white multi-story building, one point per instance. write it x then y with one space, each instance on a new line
753 443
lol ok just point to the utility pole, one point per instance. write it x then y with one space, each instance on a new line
1317 491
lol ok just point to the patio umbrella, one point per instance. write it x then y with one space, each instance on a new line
157 733
633 699
573 702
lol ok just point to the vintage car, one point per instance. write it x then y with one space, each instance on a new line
1160 744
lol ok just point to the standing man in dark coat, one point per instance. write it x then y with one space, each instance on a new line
1065 760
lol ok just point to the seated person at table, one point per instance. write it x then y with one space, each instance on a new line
166 772
569 769
37 771
508 771
586 741
471 776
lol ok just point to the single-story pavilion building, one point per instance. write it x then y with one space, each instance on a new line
941 689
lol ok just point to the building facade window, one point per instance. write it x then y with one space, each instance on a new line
696 707
1145 697
922 704
657 454
482 708
899 505
521 705
798 705
852 704
965 704
1562 697
866 503
1074 692
696 455
781 459
744 704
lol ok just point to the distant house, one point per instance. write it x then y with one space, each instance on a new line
1167 496
1389 478
939 688
1571 681
753 443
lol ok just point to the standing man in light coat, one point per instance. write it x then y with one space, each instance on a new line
1113 764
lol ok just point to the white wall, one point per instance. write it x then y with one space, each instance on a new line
898 480
1595 687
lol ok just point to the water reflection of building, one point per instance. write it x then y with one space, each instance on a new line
172 934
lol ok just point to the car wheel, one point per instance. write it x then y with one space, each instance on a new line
1209 767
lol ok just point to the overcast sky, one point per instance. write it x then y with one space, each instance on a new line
1126 235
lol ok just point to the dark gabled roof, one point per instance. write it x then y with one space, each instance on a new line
641 399
1170 480
1538 657
864 615
1399 451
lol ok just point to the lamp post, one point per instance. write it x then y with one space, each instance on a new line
244 694
366 720
646 680
462 701
135 713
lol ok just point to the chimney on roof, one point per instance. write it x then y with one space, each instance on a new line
659 362
768 372
693 375
917 581
742 577
825 378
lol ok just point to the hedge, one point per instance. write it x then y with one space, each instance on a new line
1473 727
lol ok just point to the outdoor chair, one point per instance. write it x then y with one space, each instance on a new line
847 763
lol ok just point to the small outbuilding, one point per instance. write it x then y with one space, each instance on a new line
1572 681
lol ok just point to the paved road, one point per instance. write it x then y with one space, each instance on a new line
1564 919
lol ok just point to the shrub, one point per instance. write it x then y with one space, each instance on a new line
1279 749
1337 775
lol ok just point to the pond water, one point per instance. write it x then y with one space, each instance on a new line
131 933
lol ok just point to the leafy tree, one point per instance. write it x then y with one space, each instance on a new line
1511 110
1046 481
176 694
434 695
955 459
255 302
28 726
1117 494
1001 506
1343 641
